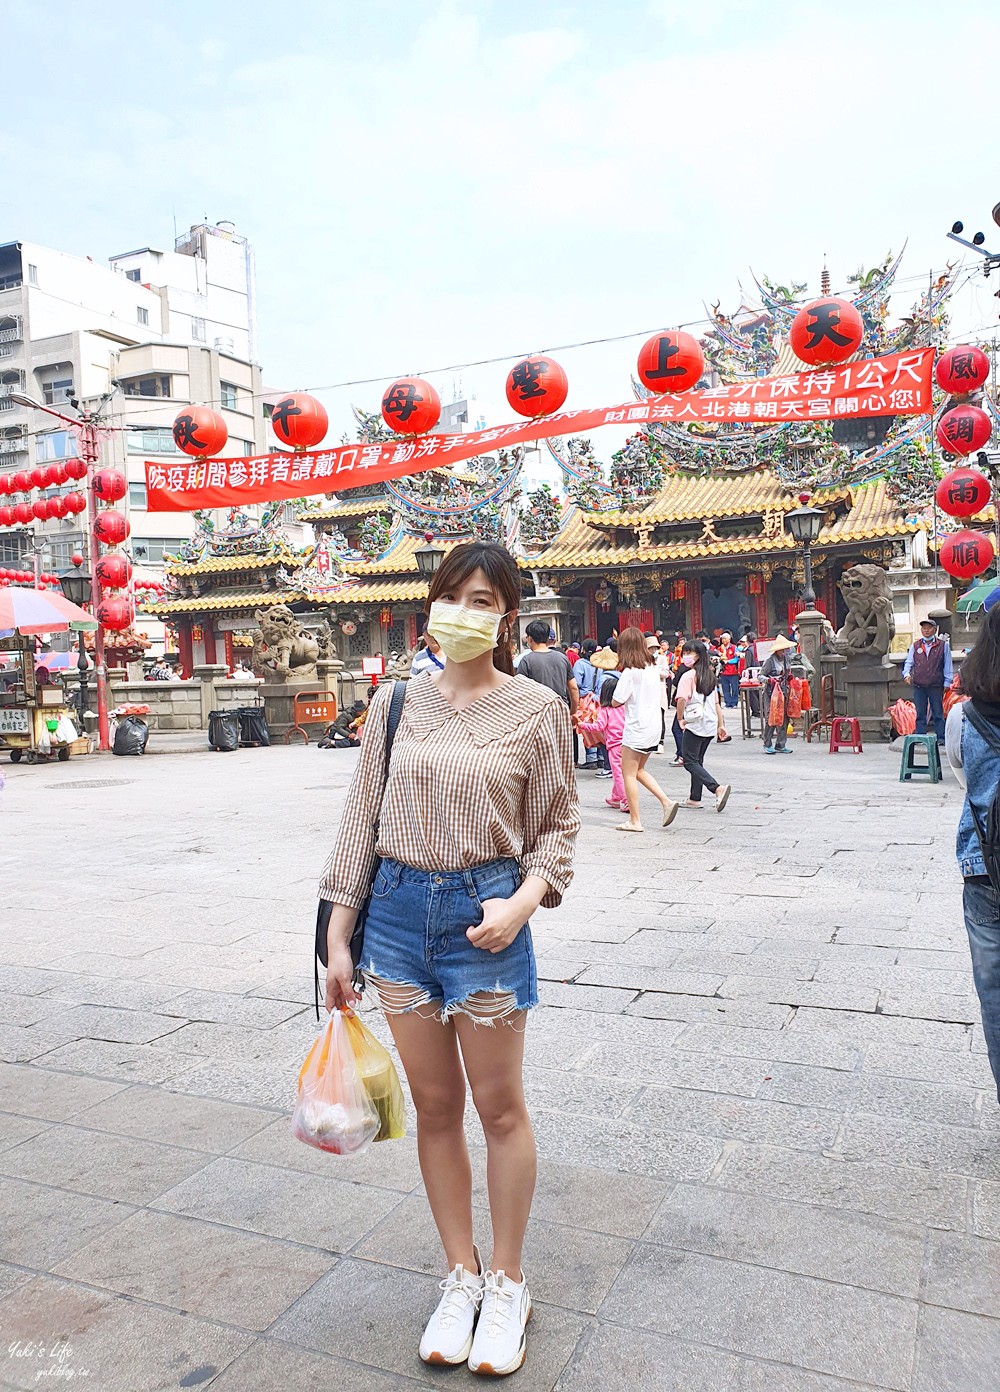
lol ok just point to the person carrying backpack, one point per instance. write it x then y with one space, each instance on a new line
972 741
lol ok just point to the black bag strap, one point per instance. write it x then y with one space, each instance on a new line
325 907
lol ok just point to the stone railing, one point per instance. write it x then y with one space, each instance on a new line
185 705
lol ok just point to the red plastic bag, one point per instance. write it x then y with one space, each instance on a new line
333 1111
903 715
805 695
587 713
776 708
794 699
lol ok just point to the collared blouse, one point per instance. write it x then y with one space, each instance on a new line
465 787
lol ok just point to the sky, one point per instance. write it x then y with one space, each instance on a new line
437 184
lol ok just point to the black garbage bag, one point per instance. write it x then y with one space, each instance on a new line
131 735
253 725
223 730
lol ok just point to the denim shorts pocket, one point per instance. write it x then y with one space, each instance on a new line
386 880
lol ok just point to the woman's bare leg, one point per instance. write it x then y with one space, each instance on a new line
631 766
428 1050
650 784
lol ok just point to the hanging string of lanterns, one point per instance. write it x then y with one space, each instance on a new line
964 492
27 481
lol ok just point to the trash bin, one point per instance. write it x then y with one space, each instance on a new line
131 735
253 725
223 730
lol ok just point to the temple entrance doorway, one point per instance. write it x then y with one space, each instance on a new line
725 604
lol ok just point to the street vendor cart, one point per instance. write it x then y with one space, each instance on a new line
35 721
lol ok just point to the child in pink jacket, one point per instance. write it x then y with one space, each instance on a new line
610 723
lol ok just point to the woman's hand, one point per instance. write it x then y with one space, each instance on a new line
502 921
339 975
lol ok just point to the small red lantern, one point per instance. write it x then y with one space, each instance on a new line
962 370
670 362
411 406
114 614
963 429
23 513
6 483
827 331
57 507
76 469
75 502
76 559
199 430
40 509
6 517
537 386
110 485
299 420
113 572
111 527
22 481
36 478
966 554
963 493
59 473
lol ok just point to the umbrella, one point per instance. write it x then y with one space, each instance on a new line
38 611
60 661
977 597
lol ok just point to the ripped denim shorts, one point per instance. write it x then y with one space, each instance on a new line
416 953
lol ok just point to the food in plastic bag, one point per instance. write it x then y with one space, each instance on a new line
794 699
380 1079
333 1111
776 708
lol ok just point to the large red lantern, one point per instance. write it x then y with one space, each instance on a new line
59 473
963 430
111 527
113 572
966 554
299 420
114 614
199 430
58 507
36 478
110 485
6 483
537 386
23 513
76 469
22 481
827 331
40 509
6 517
962 370
963 493
75 502
411 406
670 362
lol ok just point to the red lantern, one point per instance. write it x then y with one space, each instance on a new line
22 481
113 572
670 362
57 507
537 386
411 406
199 430
36 478
827 331
6 517
75 502
76 469
966 554
962 370
111 527
76 559
40 510
23 513
6 483
114 614
59 473
963 493
963 429
299 420
110 485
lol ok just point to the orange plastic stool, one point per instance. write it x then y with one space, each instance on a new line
845 733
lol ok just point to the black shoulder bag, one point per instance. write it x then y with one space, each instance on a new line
987 831
325 908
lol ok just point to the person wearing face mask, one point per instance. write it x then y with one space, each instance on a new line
473 829
700 714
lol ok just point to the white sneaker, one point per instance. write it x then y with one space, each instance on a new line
499 1344
448 1336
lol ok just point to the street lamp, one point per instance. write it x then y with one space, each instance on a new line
77 586
804 524
428 556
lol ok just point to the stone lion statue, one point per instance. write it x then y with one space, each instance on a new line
284 648
870 626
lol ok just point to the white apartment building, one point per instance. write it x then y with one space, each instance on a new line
169 328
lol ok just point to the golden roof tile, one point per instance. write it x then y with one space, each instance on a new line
230 599
220 565
362 507
689 498
400 560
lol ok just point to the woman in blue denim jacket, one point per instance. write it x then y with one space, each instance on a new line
976 763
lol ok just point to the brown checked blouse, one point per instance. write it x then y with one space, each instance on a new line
492 781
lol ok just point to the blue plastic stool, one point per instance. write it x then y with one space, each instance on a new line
907 768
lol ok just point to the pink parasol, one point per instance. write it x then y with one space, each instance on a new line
37 611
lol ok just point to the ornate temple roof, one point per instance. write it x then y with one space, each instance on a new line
400 559
220 565
871 516
398 592
360 507
686 498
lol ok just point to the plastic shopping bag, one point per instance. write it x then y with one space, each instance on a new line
794 699
333 1111
903 715
776 708
380 1079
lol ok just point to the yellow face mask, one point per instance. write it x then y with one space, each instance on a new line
464 634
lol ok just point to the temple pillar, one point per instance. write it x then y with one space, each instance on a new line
185 646
810 622
760 614
211 658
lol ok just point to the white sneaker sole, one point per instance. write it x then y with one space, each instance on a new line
441 1360
488 1370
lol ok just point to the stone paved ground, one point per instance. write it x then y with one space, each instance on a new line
770 1156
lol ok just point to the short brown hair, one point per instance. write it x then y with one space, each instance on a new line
632 650
504 578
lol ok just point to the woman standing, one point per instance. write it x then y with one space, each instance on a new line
775 675
700 715
474 831
972 739
638 690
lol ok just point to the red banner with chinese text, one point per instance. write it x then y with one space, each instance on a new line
897 385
